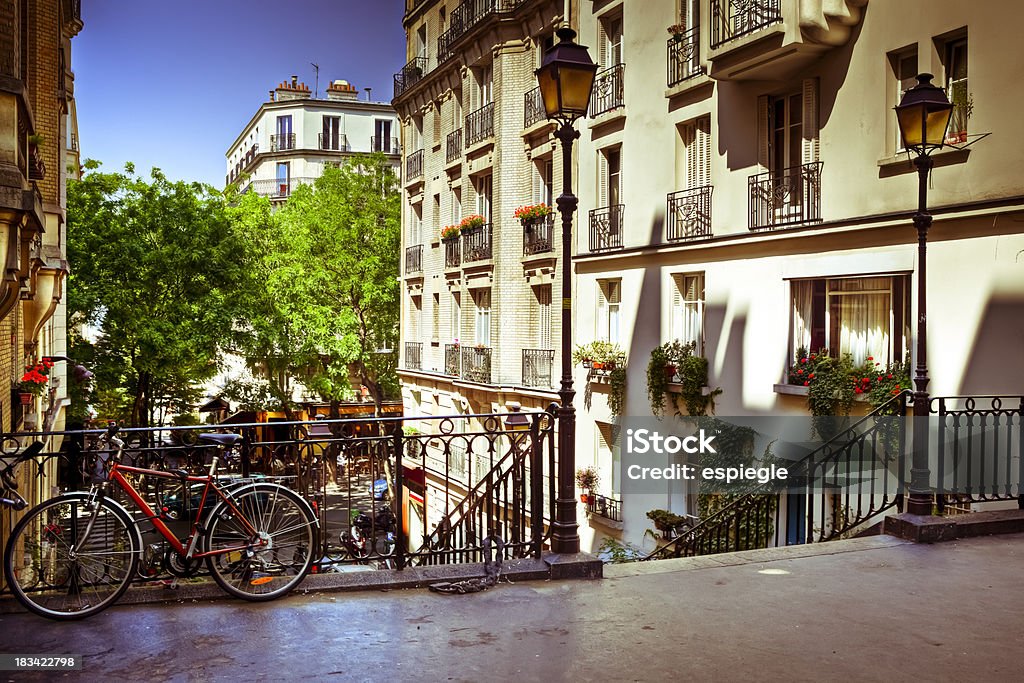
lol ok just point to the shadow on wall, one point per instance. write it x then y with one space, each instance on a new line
996 362
647 331
730 380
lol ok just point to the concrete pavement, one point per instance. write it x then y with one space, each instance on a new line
865 609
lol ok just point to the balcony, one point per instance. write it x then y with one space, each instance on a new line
414 166
452 253
790 198
604 506
333 142
533 108
453 146
476 243
476 363
480 125
414 355
452 360
410 75
607 92
684 57
537 235
468 14
277 189
282 142
414 259
689 214
537 365
384 144
606 228
733 19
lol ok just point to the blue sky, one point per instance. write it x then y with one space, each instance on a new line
171 83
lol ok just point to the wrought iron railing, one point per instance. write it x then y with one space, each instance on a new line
384 144
476 243
537 367
608 90
476 363
980 444
277 189
453 146
533 108
337 465
411 74
789 198
465 16
684 56
414 165
537 235
73 142
689 214
414 259
852 478
606 227
452 252
604 506
282 142
452 360
732 19
333 142
414 355
480 125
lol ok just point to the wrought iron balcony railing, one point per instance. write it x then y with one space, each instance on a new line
452 360
452 253
410 75
604 506
608 90
414 259
476 243
73 142
789 198
606 228
684 57
732 19
480 125
453 146
537 367
537 235
468 14
282 142
533 108
335 142
277 189
689 214
414 355
414 165
384 144
476 363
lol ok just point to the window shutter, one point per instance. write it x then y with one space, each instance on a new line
677 307
602 46
602 179
763 132
810 120
692 154
602 311
704 130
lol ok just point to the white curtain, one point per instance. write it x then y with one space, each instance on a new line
862 320
802 294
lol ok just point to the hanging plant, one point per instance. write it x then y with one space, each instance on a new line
674 363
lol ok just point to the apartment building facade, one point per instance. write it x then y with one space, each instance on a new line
38 152
293 136
742 188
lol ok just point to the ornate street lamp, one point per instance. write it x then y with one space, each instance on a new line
566 78
923 116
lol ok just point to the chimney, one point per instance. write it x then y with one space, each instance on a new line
271 95
342 91
295 81
291 91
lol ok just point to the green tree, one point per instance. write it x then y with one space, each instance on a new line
155 263
326 299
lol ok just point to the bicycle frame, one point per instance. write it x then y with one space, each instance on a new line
188 552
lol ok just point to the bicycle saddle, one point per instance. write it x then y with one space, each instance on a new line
221 439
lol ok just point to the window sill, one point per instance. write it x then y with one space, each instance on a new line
677 388
790 390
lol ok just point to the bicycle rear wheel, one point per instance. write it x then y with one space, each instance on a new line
277 558
53 573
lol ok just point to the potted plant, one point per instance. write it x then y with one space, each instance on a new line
675 363
667 522
34 381
530 214
471 222
587 479
449 233
677 31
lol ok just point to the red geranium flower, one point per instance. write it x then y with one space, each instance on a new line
807 384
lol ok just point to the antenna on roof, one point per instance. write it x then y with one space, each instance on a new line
316 86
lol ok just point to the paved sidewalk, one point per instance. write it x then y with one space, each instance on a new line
875 609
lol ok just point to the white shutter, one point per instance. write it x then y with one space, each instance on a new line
692 160
602 180
810 120
704 132
763 132
677 307
602 310
602 46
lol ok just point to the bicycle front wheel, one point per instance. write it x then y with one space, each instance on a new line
68 558
263 541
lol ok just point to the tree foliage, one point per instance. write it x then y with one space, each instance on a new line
154 262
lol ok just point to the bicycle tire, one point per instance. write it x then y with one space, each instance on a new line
262 572
48 581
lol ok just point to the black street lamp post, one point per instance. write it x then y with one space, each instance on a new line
923 116
566 78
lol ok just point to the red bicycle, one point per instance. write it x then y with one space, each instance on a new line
75 555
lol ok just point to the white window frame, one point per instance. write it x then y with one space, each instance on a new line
609 310
482 317
687 320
